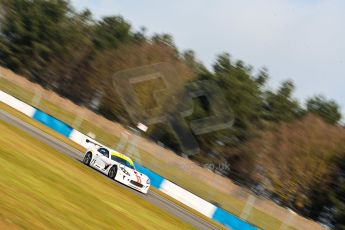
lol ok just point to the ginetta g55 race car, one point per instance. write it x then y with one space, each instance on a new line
116 166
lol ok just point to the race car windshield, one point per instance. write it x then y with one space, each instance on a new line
122 161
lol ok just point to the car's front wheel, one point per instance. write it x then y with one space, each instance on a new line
87 158
112 172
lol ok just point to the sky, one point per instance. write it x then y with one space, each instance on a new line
299 40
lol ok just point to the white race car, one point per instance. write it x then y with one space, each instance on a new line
116 166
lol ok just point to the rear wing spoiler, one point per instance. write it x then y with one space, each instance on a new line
95 143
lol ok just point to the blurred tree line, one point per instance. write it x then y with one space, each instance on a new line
277 146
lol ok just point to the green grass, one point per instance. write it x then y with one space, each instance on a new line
82 149
169 171
41 188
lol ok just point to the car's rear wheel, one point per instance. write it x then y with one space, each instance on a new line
87 158
112 172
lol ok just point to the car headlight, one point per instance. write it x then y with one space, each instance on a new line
124 171
148 181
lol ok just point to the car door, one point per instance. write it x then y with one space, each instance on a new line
101 159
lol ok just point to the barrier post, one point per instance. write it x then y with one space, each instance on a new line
290 216
77 121
121 144
35 102
132 150
248 207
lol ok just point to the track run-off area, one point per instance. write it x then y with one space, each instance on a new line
152 197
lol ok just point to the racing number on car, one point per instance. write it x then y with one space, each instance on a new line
168 94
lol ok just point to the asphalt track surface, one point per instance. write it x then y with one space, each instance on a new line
151 197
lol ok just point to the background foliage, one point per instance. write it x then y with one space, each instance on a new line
277 147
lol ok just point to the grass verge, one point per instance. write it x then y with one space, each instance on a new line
80 148
41 188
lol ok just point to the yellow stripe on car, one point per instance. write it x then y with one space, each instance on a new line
122 157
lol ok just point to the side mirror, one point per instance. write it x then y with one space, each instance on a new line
87 140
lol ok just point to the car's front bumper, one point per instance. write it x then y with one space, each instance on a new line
126 180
